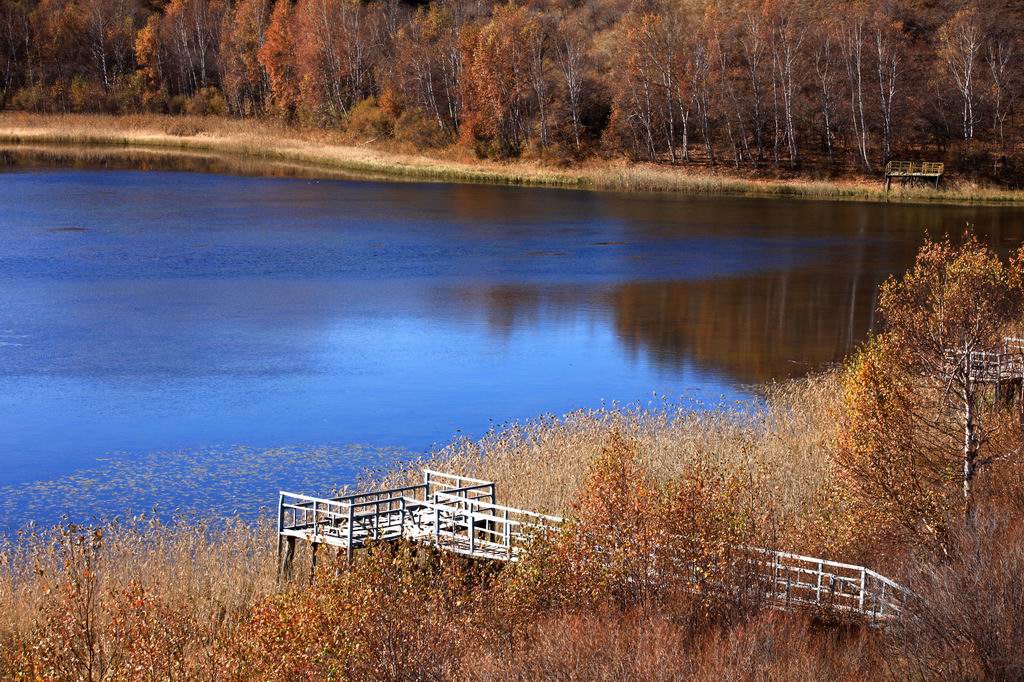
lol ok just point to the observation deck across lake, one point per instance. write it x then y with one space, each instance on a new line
913 171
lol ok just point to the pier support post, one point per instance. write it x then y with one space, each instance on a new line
286 555
1020 402
351 529
313 547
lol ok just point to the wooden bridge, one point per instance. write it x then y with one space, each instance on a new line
913 171
461 515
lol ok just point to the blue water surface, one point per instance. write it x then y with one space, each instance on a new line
146 317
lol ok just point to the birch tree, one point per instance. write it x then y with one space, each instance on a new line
635 76
427 64
752 42
570 51
852 34
110 25
960 42
787 38
190 36
999 52
538 45
917 410
826 73
334 53
887 37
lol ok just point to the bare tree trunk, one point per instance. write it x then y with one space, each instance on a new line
741 147
888 71
539 80
998 58
684 115
961 38
823 65
786 49
670 112
752 50
569 56
970 443
853 48
701 70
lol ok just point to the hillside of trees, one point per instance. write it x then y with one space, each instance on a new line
756 85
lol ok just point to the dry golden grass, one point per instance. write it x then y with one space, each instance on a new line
649 646
326 151
217 568
266 141
541 464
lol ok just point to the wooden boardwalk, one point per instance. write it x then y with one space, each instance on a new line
454 513
1005 366
461 515
795 582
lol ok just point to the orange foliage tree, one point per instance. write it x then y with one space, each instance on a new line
245 78
428 65
277 57
919 422
496 86
630 542
333 52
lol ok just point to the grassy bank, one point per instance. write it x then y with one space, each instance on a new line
98 136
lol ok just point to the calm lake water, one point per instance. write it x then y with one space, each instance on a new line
198 340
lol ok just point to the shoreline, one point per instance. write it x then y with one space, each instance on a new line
79 137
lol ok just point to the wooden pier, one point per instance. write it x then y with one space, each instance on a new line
454 513
1002 369
461 515
913 171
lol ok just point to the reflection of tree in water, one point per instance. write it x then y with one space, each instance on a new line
751 328
511 306
754 328
775 325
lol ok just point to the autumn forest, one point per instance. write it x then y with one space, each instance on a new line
754 85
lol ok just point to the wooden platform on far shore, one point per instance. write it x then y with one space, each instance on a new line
913 171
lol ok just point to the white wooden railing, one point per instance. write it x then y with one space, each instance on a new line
797 580
459 514
987 366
